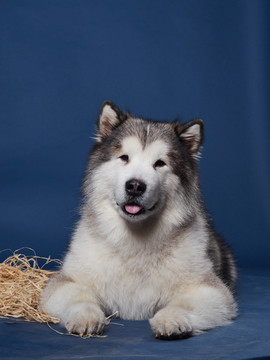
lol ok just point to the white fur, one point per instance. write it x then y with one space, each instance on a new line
143 269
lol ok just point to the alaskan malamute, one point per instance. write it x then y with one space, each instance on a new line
144 246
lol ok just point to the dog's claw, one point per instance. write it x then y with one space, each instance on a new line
174 336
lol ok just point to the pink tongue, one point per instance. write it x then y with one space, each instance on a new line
132 209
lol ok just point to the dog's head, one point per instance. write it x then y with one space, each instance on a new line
139 166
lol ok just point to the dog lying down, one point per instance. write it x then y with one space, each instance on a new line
144 246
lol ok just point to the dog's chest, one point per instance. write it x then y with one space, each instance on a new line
135 283
135 287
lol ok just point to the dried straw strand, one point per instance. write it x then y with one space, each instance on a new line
21 283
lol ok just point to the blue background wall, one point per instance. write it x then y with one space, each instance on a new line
159 59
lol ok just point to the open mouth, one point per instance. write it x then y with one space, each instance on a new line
134 209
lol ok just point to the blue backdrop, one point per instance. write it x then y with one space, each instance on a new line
160 59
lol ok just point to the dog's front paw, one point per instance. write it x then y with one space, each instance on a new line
171 323
84 319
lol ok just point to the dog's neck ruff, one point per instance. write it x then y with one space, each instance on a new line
128 236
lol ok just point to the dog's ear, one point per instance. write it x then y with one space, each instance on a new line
109 118
191 135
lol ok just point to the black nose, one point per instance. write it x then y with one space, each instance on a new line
135 187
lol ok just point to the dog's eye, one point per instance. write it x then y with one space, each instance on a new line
159 163
124 158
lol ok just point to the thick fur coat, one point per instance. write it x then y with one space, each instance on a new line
144 246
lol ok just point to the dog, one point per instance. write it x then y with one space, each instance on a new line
144 246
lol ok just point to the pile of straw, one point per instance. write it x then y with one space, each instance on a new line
21 283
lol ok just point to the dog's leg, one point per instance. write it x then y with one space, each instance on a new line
74 304
193 310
